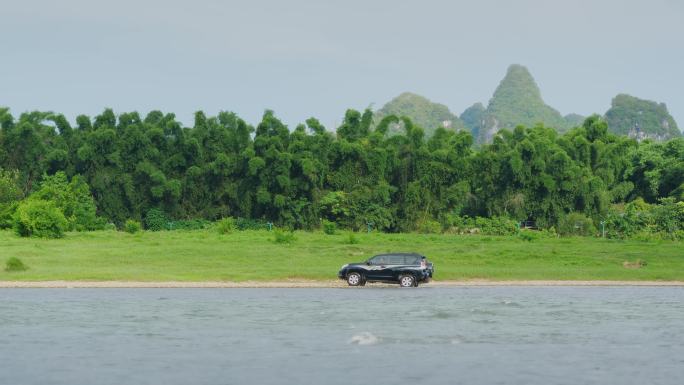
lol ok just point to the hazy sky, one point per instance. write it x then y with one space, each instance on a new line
316 57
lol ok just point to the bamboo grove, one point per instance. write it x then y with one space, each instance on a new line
357 175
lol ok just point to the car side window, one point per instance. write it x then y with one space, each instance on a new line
379 260
413 260
397 260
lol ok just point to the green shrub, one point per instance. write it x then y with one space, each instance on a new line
528 236
39 218
638 219
10 194
131 226
576 224
488 226
250 224
7 215
15 264
549 233
648 236
191 224
156 220
329 227
429 226
497 226
225 225
678 235
351 239
625 223
280 236
668 216
73 198
109 227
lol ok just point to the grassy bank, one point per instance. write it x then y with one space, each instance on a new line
253 255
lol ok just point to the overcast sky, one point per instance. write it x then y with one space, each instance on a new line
306 58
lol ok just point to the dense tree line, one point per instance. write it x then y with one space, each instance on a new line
357 175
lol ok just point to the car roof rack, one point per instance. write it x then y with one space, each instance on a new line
403 253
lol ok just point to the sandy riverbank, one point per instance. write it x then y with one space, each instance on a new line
311 284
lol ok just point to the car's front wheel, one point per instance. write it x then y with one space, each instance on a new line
407 281
354 279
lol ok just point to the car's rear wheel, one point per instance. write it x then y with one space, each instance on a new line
354 279
407 281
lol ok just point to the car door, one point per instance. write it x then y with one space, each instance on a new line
378 268
397 265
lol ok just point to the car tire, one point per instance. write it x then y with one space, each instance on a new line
407 281
354 279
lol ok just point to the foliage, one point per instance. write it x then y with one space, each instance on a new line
190 224
625 222
109 227
39 218
576 224
156 220
280 236
656 170
6 214
528 235
480 225
10 194
132 226
548 233
351 239
15 264
428 226
329 227
668 218
73 198
225 225
109 168
250 224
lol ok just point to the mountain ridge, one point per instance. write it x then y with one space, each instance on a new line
517 100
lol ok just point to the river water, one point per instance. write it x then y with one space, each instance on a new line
477 335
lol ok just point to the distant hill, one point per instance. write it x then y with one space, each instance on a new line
517 101
641 119
473 118
574 120
422 111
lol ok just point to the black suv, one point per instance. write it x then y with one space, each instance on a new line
407 269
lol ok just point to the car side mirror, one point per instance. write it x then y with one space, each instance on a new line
368 263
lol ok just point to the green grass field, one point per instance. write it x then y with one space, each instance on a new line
253 255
